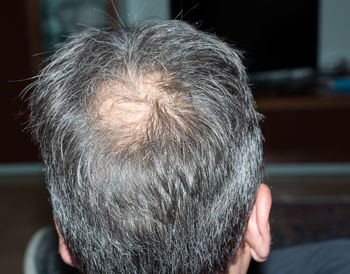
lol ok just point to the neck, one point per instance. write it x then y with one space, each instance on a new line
241 262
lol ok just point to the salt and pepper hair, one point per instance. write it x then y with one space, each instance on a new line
152 148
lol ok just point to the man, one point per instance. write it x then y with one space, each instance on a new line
153 152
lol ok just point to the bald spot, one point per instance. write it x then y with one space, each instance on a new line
129 109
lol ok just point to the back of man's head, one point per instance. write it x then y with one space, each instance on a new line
152 149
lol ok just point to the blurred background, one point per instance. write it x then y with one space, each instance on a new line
298 58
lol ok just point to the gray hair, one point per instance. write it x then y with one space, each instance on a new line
152 148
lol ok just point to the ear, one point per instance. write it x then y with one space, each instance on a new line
63 248
258 229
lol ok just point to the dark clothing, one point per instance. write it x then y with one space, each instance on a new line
331 257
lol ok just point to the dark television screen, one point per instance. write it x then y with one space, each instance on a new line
273 34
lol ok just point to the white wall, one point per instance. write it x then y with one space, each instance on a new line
135 11
334 33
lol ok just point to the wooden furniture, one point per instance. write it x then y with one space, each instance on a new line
306 129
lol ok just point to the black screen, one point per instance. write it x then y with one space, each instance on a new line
273 34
